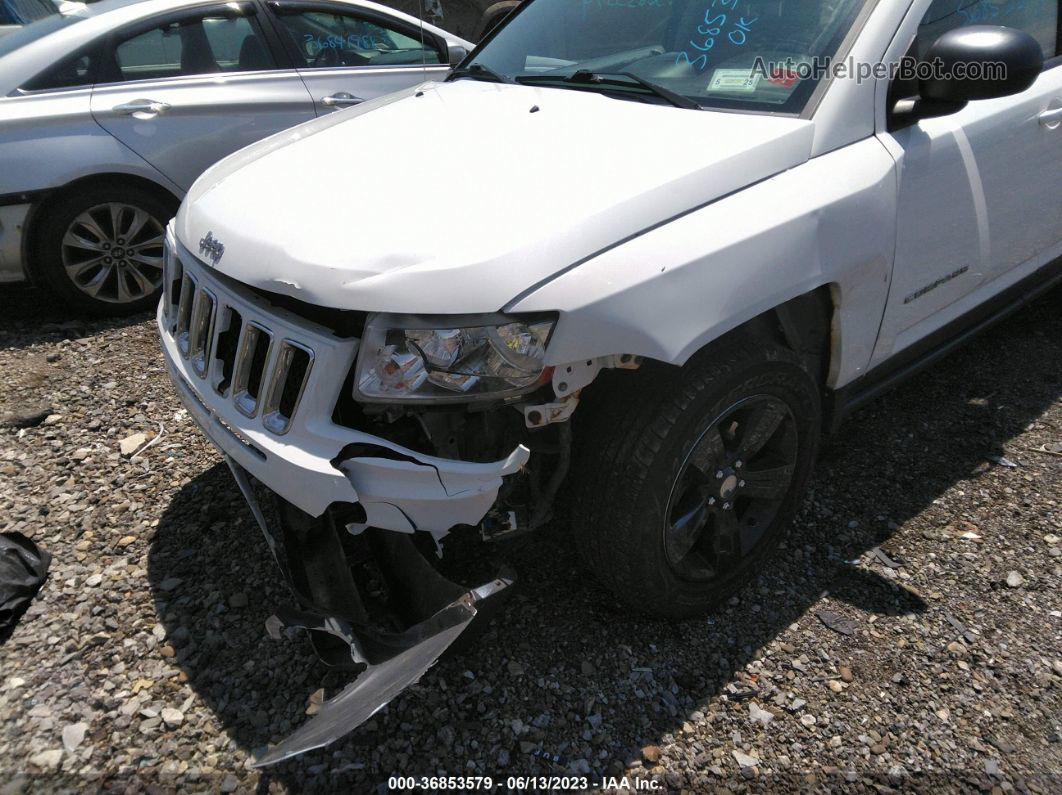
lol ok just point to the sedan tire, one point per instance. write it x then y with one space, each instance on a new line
692 476
100 249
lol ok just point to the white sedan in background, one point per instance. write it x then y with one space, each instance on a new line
109 114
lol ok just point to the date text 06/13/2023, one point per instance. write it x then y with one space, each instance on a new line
520 783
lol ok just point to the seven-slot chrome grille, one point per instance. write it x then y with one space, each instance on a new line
241 358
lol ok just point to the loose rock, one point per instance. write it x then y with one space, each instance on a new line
73 735
49 760
130 444
172 717
745 760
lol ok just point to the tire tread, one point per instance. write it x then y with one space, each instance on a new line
621 447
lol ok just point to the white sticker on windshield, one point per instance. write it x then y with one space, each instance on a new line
734 80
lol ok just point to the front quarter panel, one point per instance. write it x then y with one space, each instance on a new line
670 291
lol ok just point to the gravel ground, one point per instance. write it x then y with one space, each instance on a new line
930 537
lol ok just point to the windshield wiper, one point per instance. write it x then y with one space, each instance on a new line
586 77
478 71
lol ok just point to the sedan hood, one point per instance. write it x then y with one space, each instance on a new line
458 197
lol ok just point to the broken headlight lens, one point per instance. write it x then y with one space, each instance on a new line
454 364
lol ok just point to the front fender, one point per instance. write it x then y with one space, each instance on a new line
669 292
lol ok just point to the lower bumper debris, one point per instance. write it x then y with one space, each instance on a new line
432 610
378 683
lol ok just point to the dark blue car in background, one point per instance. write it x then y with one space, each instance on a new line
22 12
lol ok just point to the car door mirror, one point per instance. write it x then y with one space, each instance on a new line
971 63
456 53
1001 61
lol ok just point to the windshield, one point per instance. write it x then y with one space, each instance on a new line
741 54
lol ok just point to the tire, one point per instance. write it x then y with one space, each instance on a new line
80 259
650 456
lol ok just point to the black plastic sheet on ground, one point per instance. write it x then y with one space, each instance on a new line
23 569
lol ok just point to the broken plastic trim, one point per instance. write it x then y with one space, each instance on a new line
423 644
387 662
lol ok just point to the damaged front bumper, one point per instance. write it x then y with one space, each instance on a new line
262 383
236 361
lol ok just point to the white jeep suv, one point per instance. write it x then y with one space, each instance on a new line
700 232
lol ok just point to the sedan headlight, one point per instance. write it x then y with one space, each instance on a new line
429 360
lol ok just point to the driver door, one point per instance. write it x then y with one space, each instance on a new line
347 55
978 204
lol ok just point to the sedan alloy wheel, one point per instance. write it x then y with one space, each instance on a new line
113 252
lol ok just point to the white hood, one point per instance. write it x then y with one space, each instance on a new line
460 197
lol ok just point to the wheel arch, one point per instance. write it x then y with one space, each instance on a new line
809 327
807 324
31 239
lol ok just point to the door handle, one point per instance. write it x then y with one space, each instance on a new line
1051 118
146 106
340 99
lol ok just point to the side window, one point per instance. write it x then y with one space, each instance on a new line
153 54
236 45
72 72
325 39
1039 18
198 45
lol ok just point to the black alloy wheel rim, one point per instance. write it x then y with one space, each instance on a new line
730 488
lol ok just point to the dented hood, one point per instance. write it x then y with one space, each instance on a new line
458 197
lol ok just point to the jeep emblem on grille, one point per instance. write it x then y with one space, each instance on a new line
211 247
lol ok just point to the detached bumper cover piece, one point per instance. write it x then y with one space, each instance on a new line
389 662
408 496
378 683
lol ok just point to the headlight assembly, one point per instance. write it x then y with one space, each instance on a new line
431 360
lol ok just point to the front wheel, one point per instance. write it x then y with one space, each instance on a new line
691 477
100 248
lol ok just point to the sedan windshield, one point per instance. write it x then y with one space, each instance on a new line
740 54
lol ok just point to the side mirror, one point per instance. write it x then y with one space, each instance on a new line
456 53
971 63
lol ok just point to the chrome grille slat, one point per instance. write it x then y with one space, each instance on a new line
232 344
229 322
173 272
288 377
249 372
201 335
184 313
